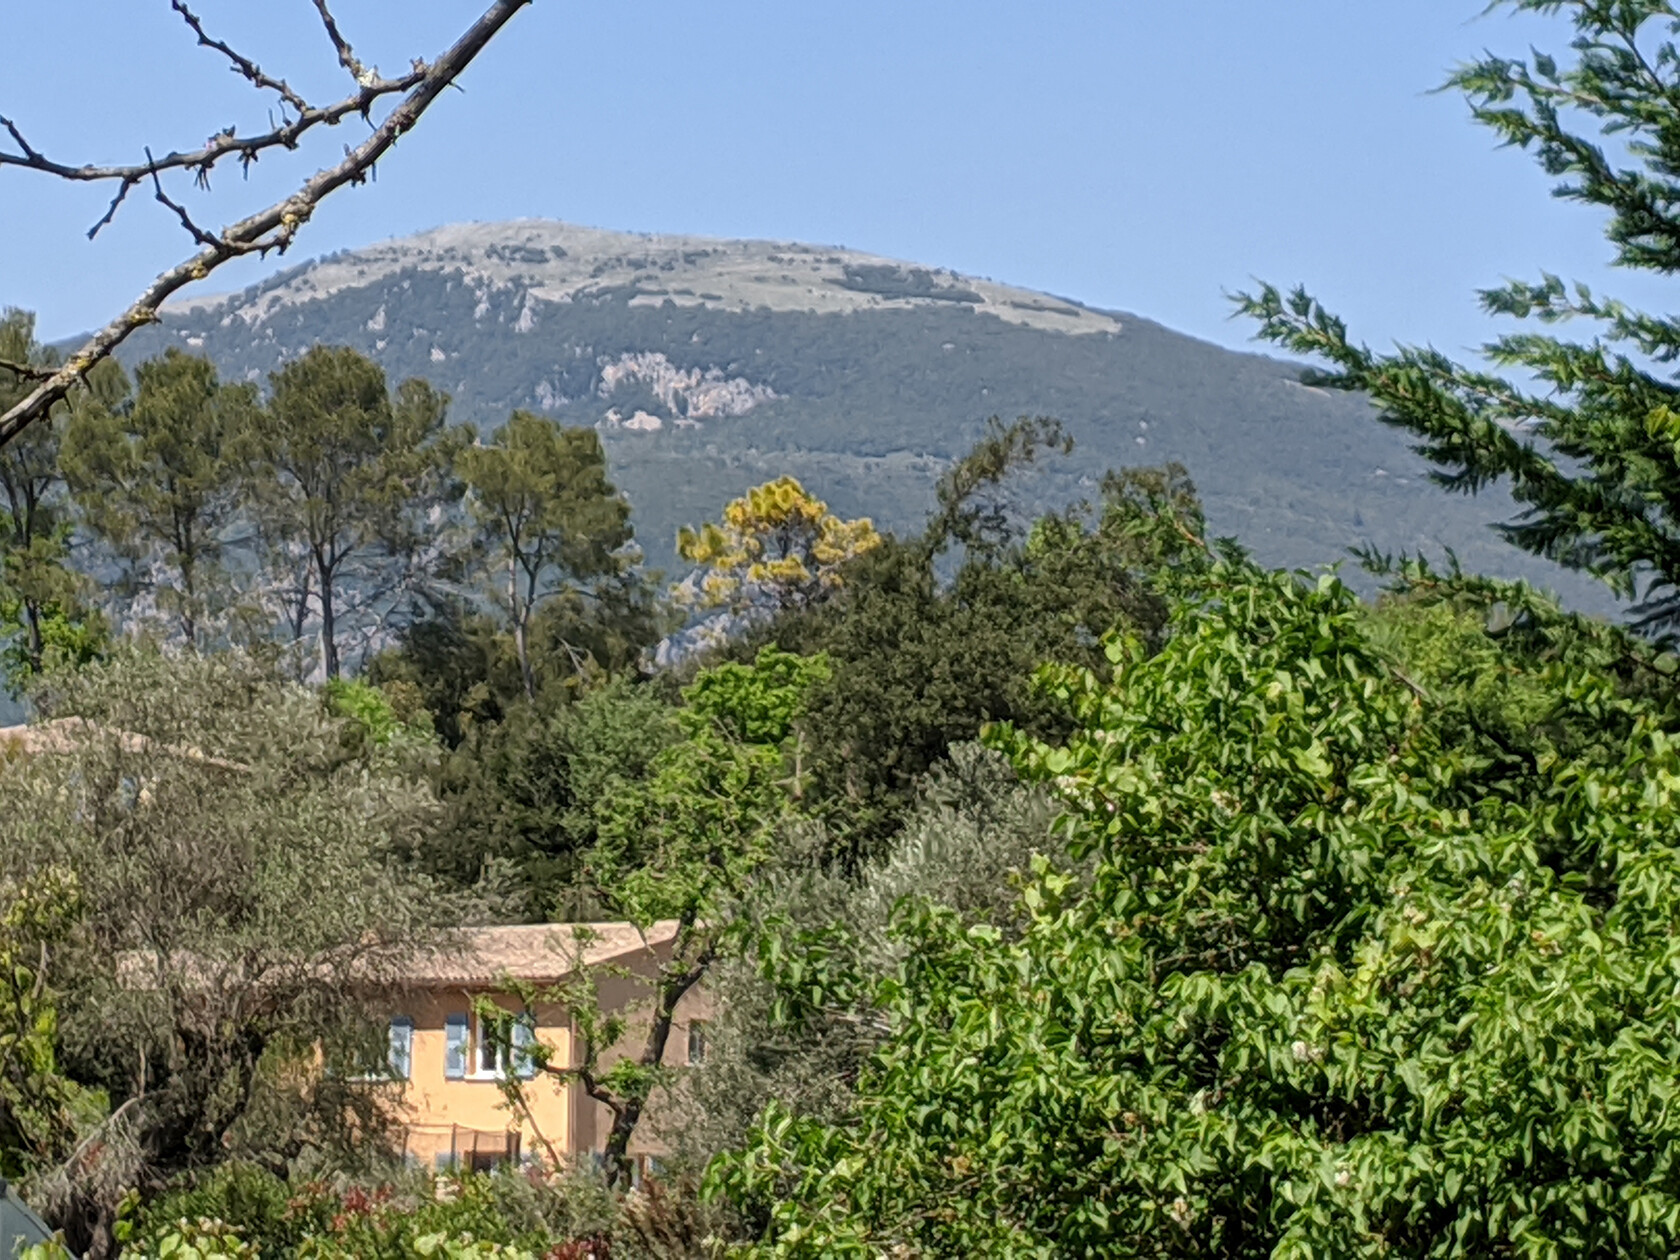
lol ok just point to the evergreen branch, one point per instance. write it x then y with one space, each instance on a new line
1607 522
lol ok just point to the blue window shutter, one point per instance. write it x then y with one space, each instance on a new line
524 1034
401 1055
455 1047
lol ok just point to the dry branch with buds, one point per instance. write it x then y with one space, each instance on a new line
268 230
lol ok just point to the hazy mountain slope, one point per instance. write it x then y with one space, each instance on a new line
710 365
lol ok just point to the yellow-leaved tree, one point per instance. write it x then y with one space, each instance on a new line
777 547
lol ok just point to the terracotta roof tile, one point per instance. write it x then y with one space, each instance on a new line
540 953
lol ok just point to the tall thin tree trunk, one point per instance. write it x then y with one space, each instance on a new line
329 641
37 642
189 619
520 616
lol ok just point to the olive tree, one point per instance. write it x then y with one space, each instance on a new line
243 893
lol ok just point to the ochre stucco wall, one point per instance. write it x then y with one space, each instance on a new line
433 1106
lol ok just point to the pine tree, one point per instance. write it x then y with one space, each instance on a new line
549 518
345 481
154 480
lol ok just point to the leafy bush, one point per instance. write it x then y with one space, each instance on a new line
240 1209
1375 957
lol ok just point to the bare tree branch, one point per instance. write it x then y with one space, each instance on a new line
30 155
221 145
111 210
193 230
241 64
270 229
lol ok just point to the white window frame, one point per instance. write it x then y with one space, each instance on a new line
403 1025
477 1041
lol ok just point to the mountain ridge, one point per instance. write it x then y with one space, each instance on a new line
553 260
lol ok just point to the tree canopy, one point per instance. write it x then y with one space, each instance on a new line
155 478
778 547
345 479
202 932
550 519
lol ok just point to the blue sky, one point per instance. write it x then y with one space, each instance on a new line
1145 156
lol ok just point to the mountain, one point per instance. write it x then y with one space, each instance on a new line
711 365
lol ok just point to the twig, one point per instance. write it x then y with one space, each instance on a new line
197 233
270 229
1415 688
99 1131
524 1106
111 210
28 371
341 46
30 154
1199 543
241 64
224 143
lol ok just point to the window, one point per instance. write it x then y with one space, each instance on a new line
495 1047
524 1037
492 1052
696 1042
400 1052
455 1047
367 1063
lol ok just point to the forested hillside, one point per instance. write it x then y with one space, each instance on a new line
710 366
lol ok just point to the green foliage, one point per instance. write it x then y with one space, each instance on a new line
1355 970
971 514
681 846
344 479
550 520
525 790
373 710
242 1209
214 819
48 633
918 664
684 840
44 619
753 704
465 664
786 1026
41 1109
155 479
1590 450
